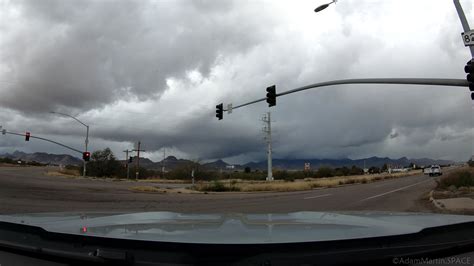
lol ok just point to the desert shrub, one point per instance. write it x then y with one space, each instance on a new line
462 178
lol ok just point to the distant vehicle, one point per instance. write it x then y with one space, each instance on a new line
427 170
434 170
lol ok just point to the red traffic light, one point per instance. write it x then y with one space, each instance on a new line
86 156
27 136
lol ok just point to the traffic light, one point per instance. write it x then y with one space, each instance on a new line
220 111
469 69
27 136
86 156
130 160
271 96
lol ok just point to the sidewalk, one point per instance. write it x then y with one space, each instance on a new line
465 204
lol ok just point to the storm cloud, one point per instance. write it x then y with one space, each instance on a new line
154 70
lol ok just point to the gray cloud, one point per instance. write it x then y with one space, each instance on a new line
153 71
82 55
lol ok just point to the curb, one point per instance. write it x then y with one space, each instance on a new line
436 203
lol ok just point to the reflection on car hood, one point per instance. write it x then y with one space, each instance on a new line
236 228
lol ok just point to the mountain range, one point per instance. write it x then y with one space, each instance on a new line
42 157
298 164
171 162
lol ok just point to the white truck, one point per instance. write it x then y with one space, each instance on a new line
433 170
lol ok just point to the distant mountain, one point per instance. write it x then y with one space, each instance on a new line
219 165
298 164
42 157
170 163
144 162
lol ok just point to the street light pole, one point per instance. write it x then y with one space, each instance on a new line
87 136
464 23
87 143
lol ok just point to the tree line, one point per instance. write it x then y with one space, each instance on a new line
104 164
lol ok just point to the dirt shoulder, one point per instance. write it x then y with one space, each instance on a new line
454 192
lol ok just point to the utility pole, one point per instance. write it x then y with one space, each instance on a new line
127 162
163 163
268 130
138 150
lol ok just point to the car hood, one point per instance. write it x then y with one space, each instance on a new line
236 228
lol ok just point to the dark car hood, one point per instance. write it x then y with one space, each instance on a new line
237 228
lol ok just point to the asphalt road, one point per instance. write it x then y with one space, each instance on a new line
26 190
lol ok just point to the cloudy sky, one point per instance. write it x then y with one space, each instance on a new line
154 71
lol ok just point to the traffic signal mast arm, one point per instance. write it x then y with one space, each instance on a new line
408 81
52 141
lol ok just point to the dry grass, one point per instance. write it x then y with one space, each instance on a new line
64 172
460 178
306 184
147 189
155 189
10 165
164 181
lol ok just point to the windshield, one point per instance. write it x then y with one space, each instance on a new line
218 107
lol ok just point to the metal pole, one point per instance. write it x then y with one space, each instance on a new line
268 130
87 136
138 150
270 174
126 161
163 163
138 162
465 24
87 143
408 81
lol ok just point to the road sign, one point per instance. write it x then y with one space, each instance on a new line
468 38
229 108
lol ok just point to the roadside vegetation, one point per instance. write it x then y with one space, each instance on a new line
456 184
296 185
104 164
460 178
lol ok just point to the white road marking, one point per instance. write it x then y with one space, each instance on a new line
395 190
318 196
